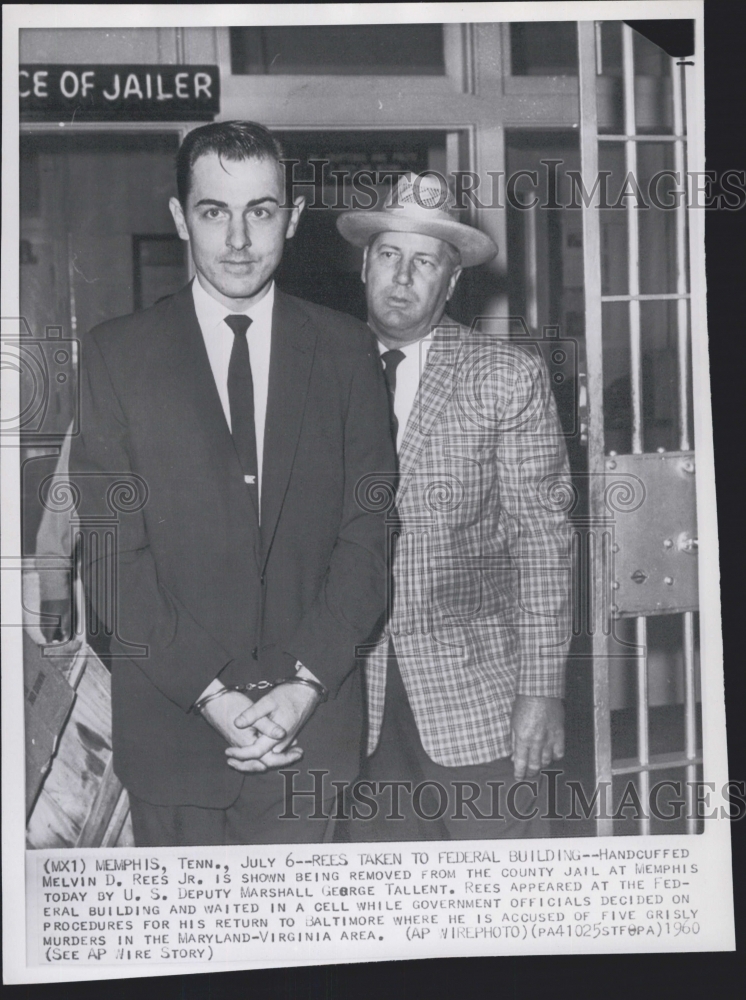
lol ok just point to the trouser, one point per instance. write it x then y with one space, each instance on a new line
476 802
254 818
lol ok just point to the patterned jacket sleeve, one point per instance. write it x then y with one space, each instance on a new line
534 487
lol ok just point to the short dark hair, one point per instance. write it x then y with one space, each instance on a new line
234 140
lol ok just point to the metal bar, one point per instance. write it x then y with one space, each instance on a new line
180 44
682 313
682 332
643 721
578 589
637 138
633 240
692 109
531 269
594 568
657 762
594 358
635 346
60 128
690 719
652 297
604 612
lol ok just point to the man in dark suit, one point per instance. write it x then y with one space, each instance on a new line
250 416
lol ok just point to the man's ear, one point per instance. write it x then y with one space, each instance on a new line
178 215
365 264
453 281
295 213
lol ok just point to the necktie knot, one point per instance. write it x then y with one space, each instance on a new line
239 323
391 361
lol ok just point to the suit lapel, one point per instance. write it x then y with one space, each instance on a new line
291 358
186 387
436 387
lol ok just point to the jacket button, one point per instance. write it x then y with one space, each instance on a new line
255 652
262 579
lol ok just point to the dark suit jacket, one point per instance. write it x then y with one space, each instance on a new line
197 584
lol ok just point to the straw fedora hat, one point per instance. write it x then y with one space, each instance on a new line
419 204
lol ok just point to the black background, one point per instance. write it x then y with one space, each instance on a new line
703 975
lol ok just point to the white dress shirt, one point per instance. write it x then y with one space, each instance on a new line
219 338
408 374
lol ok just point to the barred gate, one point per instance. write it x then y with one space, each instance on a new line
636 555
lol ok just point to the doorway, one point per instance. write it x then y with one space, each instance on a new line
547 292
96 241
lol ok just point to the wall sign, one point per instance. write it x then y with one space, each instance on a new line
118 93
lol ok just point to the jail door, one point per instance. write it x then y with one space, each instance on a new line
635 554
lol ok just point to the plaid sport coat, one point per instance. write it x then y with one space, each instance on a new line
479 541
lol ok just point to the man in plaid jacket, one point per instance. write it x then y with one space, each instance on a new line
465 689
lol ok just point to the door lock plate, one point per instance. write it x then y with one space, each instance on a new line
655 556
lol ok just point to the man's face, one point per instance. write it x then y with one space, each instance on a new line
408 280
235 225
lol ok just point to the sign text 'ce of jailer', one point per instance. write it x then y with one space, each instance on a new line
118 93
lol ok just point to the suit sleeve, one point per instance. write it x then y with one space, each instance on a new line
534 492
181 658
351 601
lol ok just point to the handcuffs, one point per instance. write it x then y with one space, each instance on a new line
320 690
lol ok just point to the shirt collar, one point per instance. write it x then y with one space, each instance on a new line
211 313
425 343
415 349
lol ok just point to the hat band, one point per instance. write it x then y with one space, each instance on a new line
420 212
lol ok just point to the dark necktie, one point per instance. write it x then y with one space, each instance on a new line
241 398
391 361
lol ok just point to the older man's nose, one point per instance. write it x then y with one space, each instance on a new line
403 275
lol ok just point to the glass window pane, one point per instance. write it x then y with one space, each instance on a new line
544 48
653 93
609 83
343 50
657 223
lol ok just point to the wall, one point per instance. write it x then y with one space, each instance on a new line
133 45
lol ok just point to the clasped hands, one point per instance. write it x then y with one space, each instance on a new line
262 734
